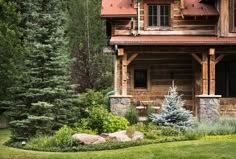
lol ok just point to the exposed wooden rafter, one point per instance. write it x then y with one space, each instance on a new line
132 58
219 58
198 59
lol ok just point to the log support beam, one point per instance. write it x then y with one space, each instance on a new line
205 74
124 74
212 64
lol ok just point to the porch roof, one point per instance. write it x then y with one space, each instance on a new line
172 40
198 8
118 8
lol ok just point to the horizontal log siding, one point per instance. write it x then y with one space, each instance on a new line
163 70
187 26
228 107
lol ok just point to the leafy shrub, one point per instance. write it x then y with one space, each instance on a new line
82 126
115 123
132 115
170 132
140 126
103 121
130 131
92 99
63 137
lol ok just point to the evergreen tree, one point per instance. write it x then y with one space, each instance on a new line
173 113
92 68
10 50
44 99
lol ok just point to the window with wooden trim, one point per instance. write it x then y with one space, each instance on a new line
159 15
140 79
233 15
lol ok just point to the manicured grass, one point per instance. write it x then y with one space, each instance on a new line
200 149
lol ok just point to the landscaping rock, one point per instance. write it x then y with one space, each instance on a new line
88 139
122 136
137 136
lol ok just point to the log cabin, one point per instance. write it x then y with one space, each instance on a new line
190 42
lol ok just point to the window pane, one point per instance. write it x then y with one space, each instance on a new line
162 8
167 21
150 10
154 21
150 20
162 22
167 10
154 10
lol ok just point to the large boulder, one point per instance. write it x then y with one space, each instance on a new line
122 136
137 136
88 139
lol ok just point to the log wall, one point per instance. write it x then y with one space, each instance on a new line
163 69
179 25
228 107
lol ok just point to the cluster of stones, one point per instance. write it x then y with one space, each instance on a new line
120 136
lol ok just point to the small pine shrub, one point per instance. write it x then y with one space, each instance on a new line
173 113
132 116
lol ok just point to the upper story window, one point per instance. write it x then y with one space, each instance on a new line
159 15
233 16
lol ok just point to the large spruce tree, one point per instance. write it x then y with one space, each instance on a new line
87 36
10 50
43 101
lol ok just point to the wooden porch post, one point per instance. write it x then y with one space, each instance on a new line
205 74
118 75
212 72
124 74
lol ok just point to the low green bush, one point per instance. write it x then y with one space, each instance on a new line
82 126
63 137
92 99
130 131
132 116
104 146
170 132
103 121
114 123
222 127
42 141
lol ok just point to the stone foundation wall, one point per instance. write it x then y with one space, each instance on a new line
119 105
208 108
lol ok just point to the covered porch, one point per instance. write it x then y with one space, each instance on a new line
144 73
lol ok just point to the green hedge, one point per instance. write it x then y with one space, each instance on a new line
100 147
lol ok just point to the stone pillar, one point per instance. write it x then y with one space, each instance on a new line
208 107
119 105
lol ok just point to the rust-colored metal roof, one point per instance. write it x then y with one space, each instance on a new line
171 40
118 8
198 8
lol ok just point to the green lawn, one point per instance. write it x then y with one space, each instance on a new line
201 149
